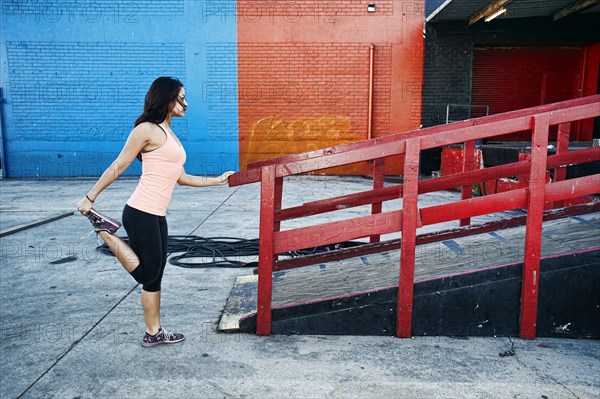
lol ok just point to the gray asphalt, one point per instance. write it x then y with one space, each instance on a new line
71 323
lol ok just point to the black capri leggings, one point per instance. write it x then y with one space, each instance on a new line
148 236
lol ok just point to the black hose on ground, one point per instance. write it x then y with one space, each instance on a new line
223 251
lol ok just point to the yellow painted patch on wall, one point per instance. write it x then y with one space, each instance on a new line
272 137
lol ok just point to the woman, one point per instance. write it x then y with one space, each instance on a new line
163 156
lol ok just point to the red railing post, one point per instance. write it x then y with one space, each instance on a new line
562 145
409 238
277 205
265 250
272 241
378 174
533 229
468 166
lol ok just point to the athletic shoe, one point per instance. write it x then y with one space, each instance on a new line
102 222
162 337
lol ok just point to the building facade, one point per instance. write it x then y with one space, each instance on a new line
532 53
262 79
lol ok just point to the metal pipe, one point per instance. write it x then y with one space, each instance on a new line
2 149
371 65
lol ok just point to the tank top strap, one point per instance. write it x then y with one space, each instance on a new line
164 131
161 128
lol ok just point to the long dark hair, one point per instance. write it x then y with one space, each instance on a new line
159 101
161 94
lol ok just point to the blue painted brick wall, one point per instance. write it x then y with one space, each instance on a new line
74 75
55 10
220 91
85 78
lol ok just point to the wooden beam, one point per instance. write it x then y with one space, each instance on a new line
339 231
252 175
468 167
573 8
410 222
329 233
562 146
265 251
378 176
487 10
510 125
468 208
533 228
440 183
277 205
572 188
340 159
438 236
514 199
425 131
341 202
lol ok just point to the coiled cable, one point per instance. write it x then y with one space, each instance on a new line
198 252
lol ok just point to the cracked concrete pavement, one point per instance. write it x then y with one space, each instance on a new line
71 322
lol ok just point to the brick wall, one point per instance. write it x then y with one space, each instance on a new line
299 8
220 90
447 72
50 81
304 74
91 10
293 82
74 75
303 63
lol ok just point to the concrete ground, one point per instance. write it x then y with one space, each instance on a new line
71 323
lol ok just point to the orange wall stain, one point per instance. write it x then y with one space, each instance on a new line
272 136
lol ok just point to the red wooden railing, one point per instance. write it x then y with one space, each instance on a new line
537 120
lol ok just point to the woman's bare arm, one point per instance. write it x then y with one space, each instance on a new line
137 140
203 181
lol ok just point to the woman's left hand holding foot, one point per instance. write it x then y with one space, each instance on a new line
84 205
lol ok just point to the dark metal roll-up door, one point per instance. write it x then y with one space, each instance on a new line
510 78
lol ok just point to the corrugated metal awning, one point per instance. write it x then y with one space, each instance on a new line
467 10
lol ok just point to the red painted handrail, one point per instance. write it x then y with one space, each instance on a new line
252 174
538 120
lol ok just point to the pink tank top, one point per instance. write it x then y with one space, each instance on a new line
161 169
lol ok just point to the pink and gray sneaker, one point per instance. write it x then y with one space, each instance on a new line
102 222
162 337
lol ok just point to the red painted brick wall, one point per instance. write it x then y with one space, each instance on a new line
293 9
303 74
